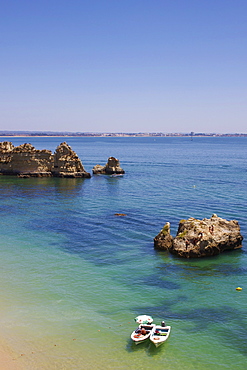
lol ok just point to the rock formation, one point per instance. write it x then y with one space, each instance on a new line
26 161
163 240
111 167
67 163
200 238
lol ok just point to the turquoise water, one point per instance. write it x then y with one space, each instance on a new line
74 276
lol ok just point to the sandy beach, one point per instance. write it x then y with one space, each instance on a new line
9 359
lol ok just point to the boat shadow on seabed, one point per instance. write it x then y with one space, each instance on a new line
146 346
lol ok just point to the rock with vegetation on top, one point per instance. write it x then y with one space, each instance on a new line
201 238
112 167
163 241
26 161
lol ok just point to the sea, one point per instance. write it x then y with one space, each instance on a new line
74 275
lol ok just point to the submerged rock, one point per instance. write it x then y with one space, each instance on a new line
26 161
201 238
112 167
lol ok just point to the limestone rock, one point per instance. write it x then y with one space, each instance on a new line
112 167
98 169
163 241
6 146
67 163
207 237
26 161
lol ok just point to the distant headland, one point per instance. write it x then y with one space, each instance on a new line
115 134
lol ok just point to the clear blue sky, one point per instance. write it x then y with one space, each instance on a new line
123 65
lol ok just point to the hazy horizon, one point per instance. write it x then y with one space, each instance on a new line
127 66
4 133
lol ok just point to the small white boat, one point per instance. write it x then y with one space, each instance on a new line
159 334
142 333
144 319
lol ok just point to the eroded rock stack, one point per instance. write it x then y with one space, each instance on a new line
26 161
200 238
67 163
112 167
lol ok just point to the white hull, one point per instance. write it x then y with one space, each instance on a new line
159 334
136 335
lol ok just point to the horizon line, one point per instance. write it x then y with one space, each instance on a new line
109 134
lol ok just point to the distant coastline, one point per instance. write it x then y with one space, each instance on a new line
114 134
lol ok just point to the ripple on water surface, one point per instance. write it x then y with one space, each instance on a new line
74 275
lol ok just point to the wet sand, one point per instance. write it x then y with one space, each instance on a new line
8 359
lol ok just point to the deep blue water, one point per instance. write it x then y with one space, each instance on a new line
70 265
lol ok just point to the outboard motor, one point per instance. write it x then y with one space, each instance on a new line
163 324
